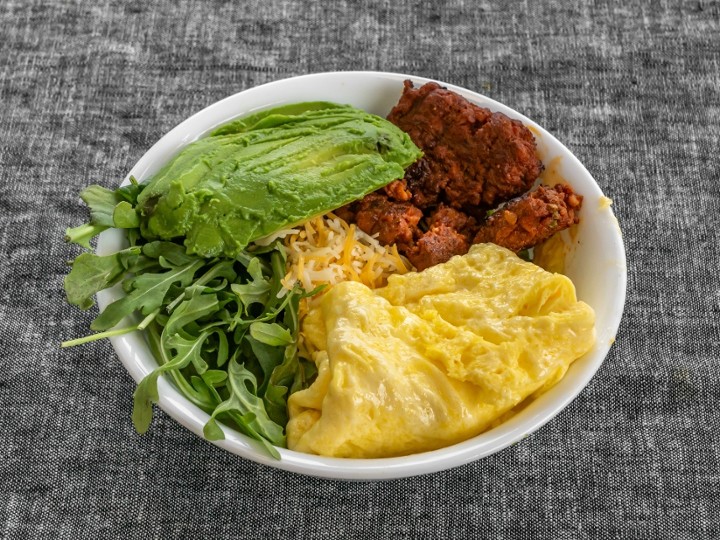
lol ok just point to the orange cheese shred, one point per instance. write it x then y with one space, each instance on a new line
327 250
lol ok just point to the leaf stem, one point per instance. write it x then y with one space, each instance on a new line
82 234
110 333
99 335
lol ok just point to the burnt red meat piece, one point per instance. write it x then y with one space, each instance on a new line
455 219
436 246
425 187
472 155
528 220
393 222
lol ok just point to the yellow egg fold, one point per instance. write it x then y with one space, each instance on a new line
434 357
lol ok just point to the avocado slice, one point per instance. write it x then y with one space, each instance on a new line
269 171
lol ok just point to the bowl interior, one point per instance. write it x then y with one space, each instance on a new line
595 262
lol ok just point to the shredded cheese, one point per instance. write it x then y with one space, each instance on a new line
327 250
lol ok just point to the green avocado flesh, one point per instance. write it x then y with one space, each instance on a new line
268 171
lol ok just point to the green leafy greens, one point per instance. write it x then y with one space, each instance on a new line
213 308
220 328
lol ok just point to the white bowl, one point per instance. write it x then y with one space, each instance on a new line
596 264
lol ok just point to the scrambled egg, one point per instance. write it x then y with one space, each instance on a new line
434 357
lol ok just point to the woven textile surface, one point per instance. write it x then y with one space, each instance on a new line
631 87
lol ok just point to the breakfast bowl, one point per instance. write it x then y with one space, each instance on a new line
593 258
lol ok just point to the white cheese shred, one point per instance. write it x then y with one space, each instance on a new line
327 250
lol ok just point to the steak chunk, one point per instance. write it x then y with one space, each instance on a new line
474 160
437 246
393 222
533 218
455 219
472 156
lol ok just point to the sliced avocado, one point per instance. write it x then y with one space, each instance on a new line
271 170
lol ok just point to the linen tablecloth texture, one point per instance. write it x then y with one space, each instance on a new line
630 87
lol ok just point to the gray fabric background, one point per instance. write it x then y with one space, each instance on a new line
631 87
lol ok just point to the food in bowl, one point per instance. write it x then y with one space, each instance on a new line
273 169
214 292
434 357
473 161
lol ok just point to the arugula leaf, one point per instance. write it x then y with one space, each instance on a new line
170 251
291 317
92 273
198 306
222 352
215 377
107 209
278 262
284 373
221 270
256 291
271 334
205 401
188 351
148 293
201 388
243 401
189 347
268 356
281 378
130 191
101 202
146 392
124 216
275 401
82 234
